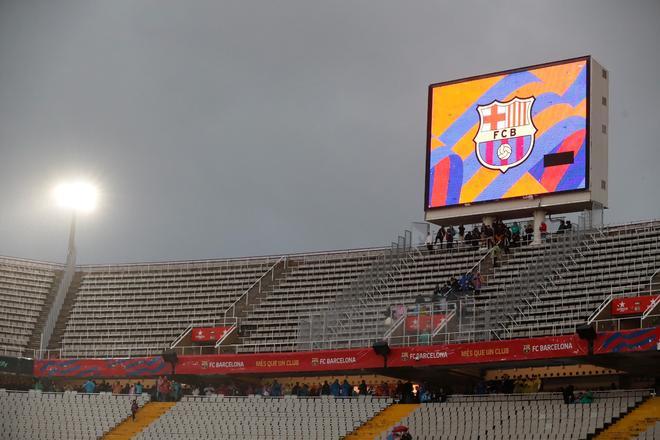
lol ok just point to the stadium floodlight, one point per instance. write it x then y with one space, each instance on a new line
78 196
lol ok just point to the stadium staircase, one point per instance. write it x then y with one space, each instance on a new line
129 428
35 339
633 423
65 312
382 421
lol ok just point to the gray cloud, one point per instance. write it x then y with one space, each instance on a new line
241 128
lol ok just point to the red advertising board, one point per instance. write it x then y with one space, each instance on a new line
319 361
208 334
424 323
632 306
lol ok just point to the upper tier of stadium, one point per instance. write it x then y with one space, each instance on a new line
328 299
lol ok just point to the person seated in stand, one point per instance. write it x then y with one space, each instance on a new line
568 227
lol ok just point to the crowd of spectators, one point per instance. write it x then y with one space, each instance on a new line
487 236
509 385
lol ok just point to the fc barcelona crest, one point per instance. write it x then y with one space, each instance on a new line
505 137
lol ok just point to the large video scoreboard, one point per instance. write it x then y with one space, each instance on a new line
521 134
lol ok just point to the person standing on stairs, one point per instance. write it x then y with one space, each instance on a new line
134 408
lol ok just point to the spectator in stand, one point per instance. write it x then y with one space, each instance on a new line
477 282
134 408
429 242
175 390
489 236
544 230
325 389
90 386
295 389
440 236
569 226
138 388
515 233
346 388
164 389
39 386
568 393
131 390
335 388
562 227
461 234
529 233
276 389
303 391
362 388
449 237
116 388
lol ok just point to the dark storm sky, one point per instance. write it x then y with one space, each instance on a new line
237 128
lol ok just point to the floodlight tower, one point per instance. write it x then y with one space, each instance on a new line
78 197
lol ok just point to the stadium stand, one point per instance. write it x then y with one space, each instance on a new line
359 316
523 416
612 260
26 288
141 309
309 287
258 418
329 300
69 415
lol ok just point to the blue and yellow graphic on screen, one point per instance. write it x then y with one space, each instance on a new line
508 135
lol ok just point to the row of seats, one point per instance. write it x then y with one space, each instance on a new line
503 417
257 418
142 309
25 288
69 415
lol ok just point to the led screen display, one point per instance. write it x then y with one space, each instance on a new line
506 135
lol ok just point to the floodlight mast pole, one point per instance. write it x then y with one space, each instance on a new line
71 252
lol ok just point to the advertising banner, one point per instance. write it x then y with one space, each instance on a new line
320 361
208 334
101 368
632 306
423 323
624 341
